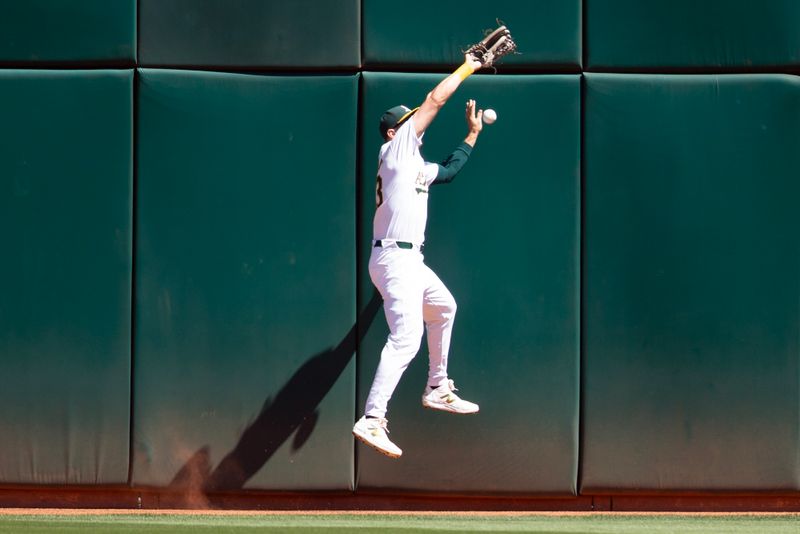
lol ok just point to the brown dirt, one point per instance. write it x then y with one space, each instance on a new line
118 511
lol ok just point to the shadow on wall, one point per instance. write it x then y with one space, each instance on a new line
293 410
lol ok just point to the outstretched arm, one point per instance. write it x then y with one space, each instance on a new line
442 92
450 166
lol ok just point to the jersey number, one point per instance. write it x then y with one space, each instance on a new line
378 192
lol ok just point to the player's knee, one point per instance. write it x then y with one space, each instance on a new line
406 346
450 307
408 340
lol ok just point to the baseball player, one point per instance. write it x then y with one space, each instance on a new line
413 296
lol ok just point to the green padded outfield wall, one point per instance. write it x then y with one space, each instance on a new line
290 34
692 278
658 34
66 175
504 237
420 33
244 357
68 31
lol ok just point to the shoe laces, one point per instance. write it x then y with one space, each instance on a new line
448 392
382 422
449 387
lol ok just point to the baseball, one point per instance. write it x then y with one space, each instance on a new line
489 116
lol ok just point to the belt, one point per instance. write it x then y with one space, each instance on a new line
399 244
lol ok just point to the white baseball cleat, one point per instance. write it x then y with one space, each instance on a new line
373 432
443 398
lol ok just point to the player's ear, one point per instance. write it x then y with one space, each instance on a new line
390 134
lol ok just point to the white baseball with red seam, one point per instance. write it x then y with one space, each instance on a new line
489 116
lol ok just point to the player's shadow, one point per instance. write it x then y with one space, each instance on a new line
293 410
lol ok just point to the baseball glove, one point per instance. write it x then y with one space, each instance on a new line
496 44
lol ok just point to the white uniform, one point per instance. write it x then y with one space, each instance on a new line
413 295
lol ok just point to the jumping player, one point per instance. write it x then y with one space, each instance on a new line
413 295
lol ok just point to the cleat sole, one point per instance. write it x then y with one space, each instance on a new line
372 446
443 409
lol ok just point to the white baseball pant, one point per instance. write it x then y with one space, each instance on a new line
413 296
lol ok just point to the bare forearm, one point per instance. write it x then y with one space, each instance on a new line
441 94
471 138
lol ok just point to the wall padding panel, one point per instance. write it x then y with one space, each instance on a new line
692 279
66 175
87 31
424 34
686 33
251 33
504 237
244 362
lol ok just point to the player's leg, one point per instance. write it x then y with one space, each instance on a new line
401 290
439 311
395 278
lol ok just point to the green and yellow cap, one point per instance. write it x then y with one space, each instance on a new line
395 117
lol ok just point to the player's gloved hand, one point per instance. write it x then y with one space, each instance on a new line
495 45
472 61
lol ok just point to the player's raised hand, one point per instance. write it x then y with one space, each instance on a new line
471 60
474 117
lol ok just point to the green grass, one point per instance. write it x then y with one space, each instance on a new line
406 523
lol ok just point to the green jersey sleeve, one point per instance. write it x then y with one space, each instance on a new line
452 164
